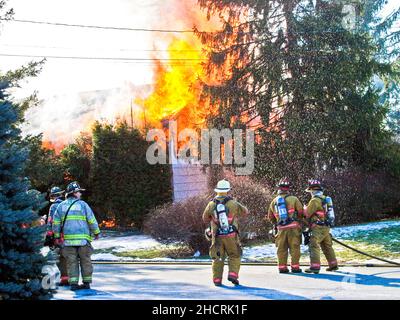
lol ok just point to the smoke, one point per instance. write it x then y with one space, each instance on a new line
63 117
73 94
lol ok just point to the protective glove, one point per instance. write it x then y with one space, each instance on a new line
96 236
208 234
58 242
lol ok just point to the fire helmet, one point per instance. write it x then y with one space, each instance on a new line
73 187
284 184
314 185
223 186
55 193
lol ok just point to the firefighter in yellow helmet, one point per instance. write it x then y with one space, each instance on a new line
223 212
286 214
320 214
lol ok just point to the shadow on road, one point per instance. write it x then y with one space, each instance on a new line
265 293
358 279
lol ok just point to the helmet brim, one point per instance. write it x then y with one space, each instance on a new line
314 189
55 194
76 190
222 189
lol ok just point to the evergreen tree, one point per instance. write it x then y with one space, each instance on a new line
76 160
124 185
294 71
21 238
43 168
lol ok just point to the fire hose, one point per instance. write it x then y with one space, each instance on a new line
271 263
364 253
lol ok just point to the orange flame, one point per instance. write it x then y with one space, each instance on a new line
107 223
177 87
57 146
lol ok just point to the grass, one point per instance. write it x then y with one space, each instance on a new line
106 250
388 239
158 252
374 249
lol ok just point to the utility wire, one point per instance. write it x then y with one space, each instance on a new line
99 58
94 48
97 27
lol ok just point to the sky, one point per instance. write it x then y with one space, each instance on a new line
61 76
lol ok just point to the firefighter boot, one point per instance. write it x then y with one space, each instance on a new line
296 270
75 287
85 285
333 268
312 270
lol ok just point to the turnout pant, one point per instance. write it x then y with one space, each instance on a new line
288 240
62 265
321 238
221 249
79 256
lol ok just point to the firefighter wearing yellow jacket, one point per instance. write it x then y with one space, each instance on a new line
319 212
286 213
223 212
75 222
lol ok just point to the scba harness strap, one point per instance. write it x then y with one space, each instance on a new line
224 227
288 220
325 221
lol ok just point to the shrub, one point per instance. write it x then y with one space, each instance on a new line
361 197
182 222
125 187
179 222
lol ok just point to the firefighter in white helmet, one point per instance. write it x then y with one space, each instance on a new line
223 212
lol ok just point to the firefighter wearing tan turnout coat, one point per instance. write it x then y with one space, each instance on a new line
223 212
286 214
319 212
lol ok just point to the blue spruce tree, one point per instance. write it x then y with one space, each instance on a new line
21 236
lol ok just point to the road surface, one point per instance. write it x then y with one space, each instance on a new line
147 282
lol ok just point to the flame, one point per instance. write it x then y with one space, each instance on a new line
108 223
57 146
177 87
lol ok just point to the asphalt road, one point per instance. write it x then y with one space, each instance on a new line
148 282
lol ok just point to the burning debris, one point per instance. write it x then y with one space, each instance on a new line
111 223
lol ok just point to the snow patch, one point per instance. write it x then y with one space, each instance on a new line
348 231
128 243
264 251
109 257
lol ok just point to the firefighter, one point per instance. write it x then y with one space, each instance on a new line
74 225
286 214
56 197
223 213
319 212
